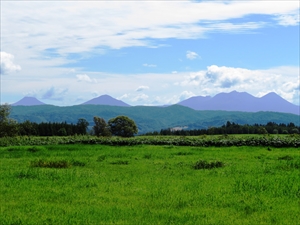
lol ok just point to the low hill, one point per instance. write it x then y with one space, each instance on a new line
148 118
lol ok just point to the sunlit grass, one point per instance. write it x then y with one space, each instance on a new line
147 184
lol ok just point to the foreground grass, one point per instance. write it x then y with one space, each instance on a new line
145 184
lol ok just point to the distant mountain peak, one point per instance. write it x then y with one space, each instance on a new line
28 101
242 101
272 94
105 100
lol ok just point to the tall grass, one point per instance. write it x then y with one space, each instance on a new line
148 184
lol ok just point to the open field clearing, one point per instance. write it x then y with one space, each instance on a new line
147 184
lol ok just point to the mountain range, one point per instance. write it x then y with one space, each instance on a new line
149 118
233 101
242 102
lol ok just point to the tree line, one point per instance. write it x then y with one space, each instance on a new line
234 128
126 127
52 129
119 126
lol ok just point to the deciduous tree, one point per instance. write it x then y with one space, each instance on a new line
82 125
100 128
122 126
8 126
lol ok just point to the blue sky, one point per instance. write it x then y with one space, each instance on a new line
148 52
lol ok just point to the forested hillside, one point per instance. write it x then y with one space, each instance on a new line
148 118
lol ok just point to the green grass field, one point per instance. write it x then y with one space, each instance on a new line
145 184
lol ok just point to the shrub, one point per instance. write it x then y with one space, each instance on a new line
262 130
101 158
286 157
202 164
147 156
59 164
33 149
77 163
62 132
295 131
183 153
26 174
50 164
120 162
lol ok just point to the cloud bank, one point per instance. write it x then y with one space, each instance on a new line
59 29
282 80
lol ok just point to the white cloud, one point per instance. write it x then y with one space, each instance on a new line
289 20
177 97
220 77
7 66
142 88
149 65
58 29
185 95
95 94
140 97
216 79
290 86
125 96
85 78
56 94
191 55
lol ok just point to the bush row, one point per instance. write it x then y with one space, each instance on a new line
203 141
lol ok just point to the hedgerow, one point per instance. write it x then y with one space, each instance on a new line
203 141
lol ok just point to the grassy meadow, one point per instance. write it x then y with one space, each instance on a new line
147 184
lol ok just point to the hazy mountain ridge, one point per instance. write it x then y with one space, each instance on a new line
242 101
233 101
148 118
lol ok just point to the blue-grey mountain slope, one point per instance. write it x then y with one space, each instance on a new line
105 100
149 118
243 102
28 101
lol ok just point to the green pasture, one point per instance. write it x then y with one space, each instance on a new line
147 184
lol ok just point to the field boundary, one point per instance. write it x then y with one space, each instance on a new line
201 141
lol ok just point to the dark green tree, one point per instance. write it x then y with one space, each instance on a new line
27 128
122 126
62 132
100 128
262 130
295 131
8 126
82 125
